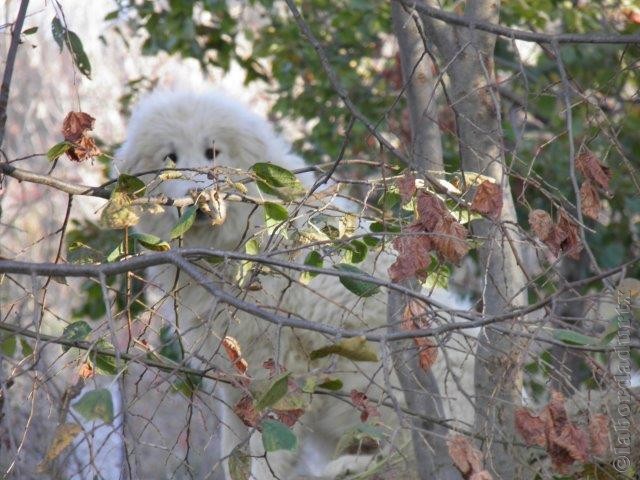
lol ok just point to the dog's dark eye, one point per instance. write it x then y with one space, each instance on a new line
211 153
173 157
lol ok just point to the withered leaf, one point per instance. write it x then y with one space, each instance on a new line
599 433
564 441
531 427
541 224
488 199
232 347
362 403
589 200
289 417
430 210
75 124
568 230
414 317
449 239
465 456
83 149
62 438
407 186
588 165
246 411
413 255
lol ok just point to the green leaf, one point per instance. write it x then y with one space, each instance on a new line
78 54
103 363
58 31
278 389
239 464
26 348
96 405
8 345
76 331
357 349
314 259
185 223
30 31
58 150
275 211
355 252
275 180
277 436
170 346
252 247
116 253
151 242
371 241
574 338
361 288
333 384
132 186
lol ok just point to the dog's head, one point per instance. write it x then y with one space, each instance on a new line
195 131
198 131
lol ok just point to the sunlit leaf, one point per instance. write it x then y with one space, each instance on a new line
357 349
185 223
275 180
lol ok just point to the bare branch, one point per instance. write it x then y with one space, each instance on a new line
16 31
513 33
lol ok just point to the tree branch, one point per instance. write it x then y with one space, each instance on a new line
474 23
16 31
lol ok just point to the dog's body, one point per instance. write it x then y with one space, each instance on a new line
202 131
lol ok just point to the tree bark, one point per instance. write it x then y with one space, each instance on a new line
468 57
420 387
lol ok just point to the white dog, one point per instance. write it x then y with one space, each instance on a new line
209 131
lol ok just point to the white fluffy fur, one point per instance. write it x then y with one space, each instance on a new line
187 124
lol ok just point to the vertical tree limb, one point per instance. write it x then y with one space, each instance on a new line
420 387
476 104
16 30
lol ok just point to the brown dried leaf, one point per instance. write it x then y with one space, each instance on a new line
599 433
427 351
362 403
289 417
449 239
541 224
589 200
414 317
483 475
232 347
407 186
62 438
531 428
84 149
75 125
86 370
430 210
589 166
568 231
415 313
465 456
245 410
413 255
574 441
488 199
